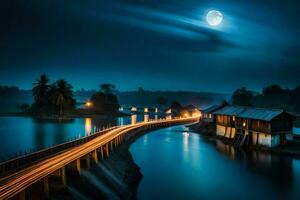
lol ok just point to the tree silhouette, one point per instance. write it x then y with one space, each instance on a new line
107 88
105 100
40 90
242 97
62 95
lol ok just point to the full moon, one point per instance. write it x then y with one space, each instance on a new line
214 18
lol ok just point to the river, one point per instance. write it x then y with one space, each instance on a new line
21 135
177 164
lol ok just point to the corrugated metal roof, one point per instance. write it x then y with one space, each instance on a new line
212 108
249 113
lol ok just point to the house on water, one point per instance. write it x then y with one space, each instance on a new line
208 115
254 126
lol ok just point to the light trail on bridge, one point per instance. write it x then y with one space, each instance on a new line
19 181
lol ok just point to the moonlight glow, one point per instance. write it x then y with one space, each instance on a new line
214 18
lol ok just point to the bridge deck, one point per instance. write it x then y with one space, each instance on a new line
19 181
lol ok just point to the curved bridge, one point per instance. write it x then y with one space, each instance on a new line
54 160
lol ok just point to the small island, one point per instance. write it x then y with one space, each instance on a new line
55 101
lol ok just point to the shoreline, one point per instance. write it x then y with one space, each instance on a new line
290 149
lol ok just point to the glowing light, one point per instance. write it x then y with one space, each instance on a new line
244 124
88 104
196 113
133 109
186 134
169 111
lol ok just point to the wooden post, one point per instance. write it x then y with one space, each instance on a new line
107 150
22 195
95 156
102 155
78 166
88 163
111 145
63 176
46 187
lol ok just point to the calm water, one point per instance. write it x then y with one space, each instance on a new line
296 130
181 165
20 134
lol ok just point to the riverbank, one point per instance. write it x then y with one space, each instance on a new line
204 128
209 129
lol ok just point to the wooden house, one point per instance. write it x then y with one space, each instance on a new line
190 110
254 126
208 115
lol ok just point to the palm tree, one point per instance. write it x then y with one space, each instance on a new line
63 95
40 89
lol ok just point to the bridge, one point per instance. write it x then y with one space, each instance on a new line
20 173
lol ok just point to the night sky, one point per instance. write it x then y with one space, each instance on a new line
156 44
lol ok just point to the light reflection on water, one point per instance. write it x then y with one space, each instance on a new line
296 130
190 166
88 126
21 135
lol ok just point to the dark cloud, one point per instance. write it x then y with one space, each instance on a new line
145 40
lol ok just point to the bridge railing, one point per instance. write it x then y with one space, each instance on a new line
13 165
17 163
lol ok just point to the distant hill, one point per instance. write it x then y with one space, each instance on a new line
11 97
150 98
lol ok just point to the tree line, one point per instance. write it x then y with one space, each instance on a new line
57 98
52 98
272 96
